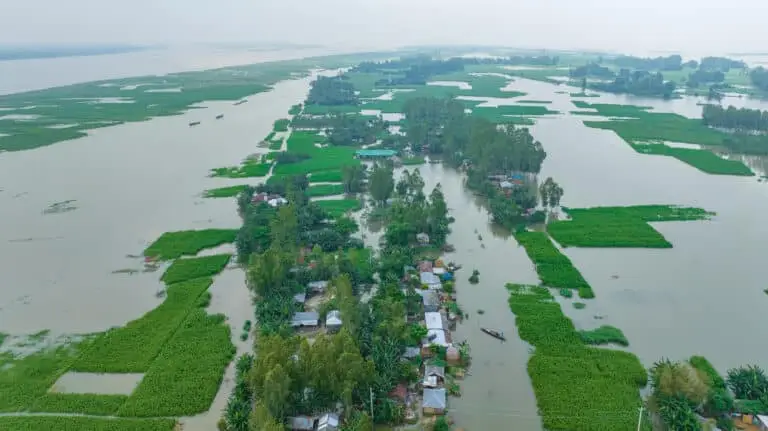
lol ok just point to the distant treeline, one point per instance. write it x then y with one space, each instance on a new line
638 82
759 78
672 62
742 119
26 53
703 76
591 70
332 91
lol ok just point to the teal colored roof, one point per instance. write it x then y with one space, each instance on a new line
376 153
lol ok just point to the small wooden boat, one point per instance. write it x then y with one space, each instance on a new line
240 102
194 123
494 334
220 116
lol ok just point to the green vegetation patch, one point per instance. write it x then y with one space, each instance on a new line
74 423
543 102
172 245
295 109
569 376
281 125
133 347
325 190
619 226
187 373
416 160
493 112
339 207
88 404
553 267
320 159
332 176
605 334
224 192
195 267
247 169
611 110
23 380
703 160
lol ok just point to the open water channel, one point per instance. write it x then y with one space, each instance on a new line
132 182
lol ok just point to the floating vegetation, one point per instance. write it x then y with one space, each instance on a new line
475 277
566 293
620 226
195 267
480 311
129 271
605 334
246 330
60 207
553 267
245 170
579 305
224 192
568 375
172 245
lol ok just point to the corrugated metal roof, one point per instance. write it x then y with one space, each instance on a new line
434 398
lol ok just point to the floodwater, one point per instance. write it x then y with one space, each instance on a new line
132 182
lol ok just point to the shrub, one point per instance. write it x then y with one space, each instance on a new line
605 334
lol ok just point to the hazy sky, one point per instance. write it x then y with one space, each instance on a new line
695 26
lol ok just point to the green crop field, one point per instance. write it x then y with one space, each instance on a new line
224 192
553 267
320 159
325 190
605 334
339 207
74 423
619 226
569 376
195 267
172 245
89 404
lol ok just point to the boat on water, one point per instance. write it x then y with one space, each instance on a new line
494 334
194 123
240 102
220 116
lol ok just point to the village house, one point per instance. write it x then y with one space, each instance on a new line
272 200
430 299
302 423
430 280
328 422
333 321
317 286
422 238
433 401
305 319
434 376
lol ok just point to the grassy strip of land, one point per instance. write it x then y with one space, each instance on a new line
703 160
88 404
339 207
295 109
133 348
416 160
74 423
246 170
172 245
611 110
582 94
577 387
325 190
195 267
543 102
553 267
619 226
491 112
320 159
605 334
187 373
332 176
24 380
224 192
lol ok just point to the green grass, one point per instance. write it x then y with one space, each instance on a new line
281 125
325 190
321 159
703 160
569 376
187 373
172 245
332 176
646 131
330 109
89 404
339 207
73 423
224 192
295 109
416 160
582 94
492 113
544 102
554 268
542 74
195 267
245 170
24 380
619 226
605 334
133 348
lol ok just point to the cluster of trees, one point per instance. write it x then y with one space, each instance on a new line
683 390
722 64
639 82
704 76
332 91
354 130
741 119
672 62
759 78
591 70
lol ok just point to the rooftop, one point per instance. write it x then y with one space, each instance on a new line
434 398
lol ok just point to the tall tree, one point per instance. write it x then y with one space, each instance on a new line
285 228
381 183
277 389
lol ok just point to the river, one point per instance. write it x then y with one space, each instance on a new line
132 182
